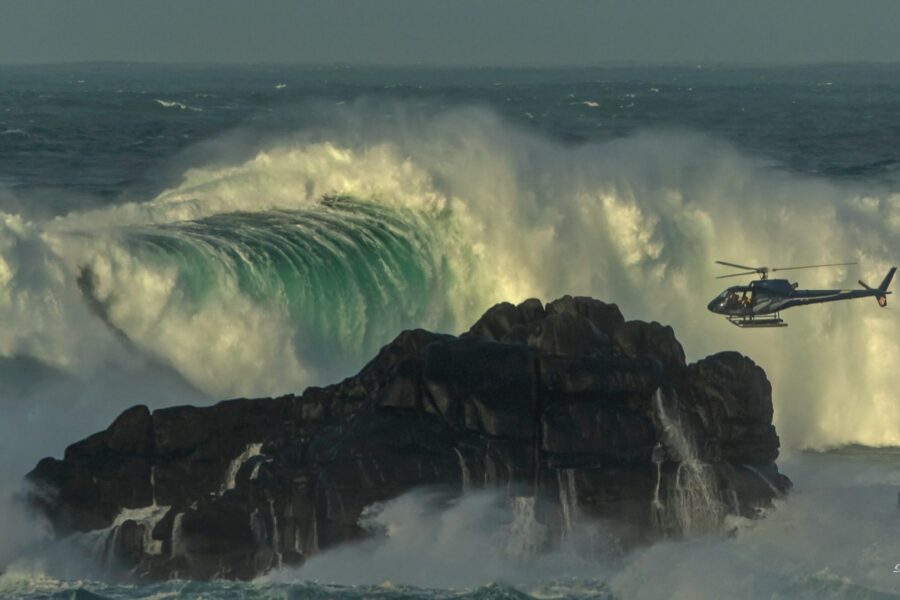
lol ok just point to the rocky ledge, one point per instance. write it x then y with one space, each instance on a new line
568 406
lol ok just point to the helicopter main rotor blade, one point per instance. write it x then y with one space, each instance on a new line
812 266
754 272
736 266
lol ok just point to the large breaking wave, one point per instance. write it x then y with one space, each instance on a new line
292 267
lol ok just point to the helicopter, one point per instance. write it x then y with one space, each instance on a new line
759 303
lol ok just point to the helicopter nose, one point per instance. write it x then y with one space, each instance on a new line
715 305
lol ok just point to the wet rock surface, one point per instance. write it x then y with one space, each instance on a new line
592 416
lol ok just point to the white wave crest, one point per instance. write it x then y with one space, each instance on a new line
174 104
638 221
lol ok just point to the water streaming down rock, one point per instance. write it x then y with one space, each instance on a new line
735 502
693 502
568 498
258 529
764 479
314 545
231 475
176 545
276 534
109 547
130 534
153 484
525 536
490 471
465 477
657 457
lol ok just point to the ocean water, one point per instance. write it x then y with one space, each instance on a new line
186 234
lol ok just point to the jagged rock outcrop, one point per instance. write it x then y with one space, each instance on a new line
593 417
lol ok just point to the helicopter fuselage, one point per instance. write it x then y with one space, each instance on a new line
769 296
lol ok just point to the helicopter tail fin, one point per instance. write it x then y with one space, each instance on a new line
887 280
883 288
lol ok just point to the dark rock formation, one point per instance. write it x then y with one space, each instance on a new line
594 417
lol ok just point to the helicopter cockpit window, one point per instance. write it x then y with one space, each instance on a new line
731 298
735 298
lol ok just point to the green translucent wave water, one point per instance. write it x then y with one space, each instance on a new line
350 274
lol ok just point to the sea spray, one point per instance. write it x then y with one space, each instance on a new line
427 228
434 539
306 257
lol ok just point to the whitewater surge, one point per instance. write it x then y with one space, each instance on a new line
833 537
292 267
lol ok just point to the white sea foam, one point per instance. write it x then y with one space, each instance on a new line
834 537
509 215
427 540
179 105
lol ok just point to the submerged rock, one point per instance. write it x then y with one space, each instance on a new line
594 418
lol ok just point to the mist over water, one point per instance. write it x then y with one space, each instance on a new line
265 263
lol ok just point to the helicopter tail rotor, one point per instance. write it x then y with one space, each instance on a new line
885 284
883 288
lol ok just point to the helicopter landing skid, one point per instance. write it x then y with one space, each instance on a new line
751 322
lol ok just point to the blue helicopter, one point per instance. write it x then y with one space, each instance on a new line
759 303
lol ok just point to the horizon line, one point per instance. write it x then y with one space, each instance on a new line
698 64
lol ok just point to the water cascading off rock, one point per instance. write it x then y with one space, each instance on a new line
693 502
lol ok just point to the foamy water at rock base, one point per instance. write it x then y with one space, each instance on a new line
178 236
803 548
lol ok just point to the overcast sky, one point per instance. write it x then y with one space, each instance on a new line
461 32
